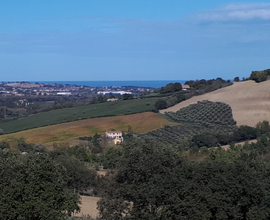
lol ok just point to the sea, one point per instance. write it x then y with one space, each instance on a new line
147 83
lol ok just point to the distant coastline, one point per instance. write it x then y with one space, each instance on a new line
146 83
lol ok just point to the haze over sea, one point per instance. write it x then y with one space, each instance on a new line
147 83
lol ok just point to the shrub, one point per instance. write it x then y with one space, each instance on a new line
161 104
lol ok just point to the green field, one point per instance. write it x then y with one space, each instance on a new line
78 113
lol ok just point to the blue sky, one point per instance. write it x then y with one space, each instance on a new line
50 40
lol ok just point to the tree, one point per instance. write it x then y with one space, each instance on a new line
4 145
130 131
263 127
161 104
111 156
244 132
258 76
33 188
78 177
23 146
171 87
128 96
236 79
223 190
177 87
144 178
152 181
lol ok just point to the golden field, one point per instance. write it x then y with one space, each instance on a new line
66 132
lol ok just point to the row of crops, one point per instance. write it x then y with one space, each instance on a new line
205 112
204 116
176 134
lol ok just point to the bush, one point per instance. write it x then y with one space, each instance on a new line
161 104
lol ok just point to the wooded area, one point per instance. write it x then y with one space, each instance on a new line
145 180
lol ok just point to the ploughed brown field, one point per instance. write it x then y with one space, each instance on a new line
66 132
250 101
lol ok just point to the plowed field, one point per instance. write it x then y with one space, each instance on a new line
250 101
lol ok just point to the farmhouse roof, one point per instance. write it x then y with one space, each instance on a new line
185 86
114 131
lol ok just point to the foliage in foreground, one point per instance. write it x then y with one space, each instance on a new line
33 187
153 181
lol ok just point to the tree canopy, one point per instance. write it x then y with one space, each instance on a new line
152 181
33 188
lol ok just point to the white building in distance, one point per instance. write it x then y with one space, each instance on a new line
113 92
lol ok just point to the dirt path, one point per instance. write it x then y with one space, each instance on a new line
226 147
250 101
89 206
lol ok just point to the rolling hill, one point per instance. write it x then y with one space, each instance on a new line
65 132
250 101
64 115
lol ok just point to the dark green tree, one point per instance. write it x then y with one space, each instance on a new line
236 79
221 190
130 131
23 146
111 157
4 145
177 87
33 188
153 182
263 127
144 178
258 76
128 96
78 176
161 104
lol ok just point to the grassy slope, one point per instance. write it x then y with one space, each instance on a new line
141 123
82 112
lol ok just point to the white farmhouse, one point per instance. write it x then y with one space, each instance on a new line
115 136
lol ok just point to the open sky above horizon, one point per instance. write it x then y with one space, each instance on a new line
56 40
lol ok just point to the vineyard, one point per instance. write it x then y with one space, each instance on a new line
204 116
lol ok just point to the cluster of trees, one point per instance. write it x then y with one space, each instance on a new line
16 107
153 181
203 86
171 87
174 93
33 187
42 184
196 136
147 179
260 76
242 133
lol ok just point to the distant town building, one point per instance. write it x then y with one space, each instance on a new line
114 92
63 93
112 100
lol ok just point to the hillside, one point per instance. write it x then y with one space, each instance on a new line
250 101
78 113
65 132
